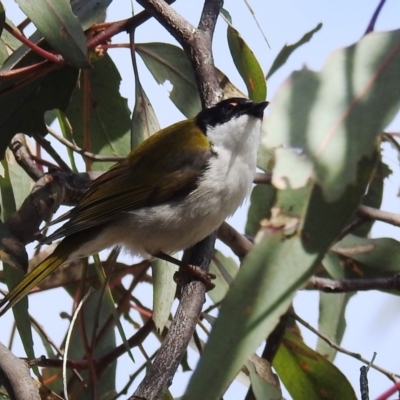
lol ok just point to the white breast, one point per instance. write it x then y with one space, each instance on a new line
221 190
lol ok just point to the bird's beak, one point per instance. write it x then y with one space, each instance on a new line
256 109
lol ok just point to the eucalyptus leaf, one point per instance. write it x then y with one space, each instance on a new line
169 63
247 65
331 321
261 200
307 216
14 275
2 17
109 116
90 12
264 382
23 107
287 50
60 27
144 119
307 375
333 123
366 258
164 289
20 181
225 270
91 322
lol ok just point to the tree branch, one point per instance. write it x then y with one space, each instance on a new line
197 44
352 285
370 213
14 375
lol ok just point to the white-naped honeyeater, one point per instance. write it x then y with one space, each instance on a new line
170 192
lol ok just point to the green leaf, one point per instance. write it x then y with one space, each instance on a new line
90 12
60 27
2 17
333 118
108 113
373 197
307 216
164 289
261 201
144 119
307 375
247 65
14 275
23 106
366 258
20 181
287 50
225 270
264 383
8 40
169 63
332 321
92 322
12 251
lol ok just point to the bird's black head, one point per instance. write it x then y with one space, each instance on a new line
228 109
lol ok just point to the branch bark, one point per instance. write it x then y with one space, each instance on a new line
197 44
14 375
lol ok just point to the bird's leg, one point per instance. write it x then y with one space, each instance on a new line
192 270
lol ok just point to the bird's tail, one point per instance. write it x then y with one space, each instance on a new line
33 278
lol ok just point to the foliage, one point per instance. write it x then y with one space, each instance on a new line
321 144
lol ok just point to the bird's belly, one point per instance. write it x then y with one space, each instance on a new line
179 225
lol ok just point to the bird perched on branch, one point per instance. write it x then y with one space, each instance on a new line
172 191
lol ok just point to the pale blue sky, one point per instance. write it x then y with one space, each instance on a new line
283 22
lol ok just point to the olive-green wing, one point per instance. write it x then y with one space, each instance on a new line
141 181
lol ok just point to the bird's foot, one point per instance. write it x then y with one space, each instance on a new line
195 272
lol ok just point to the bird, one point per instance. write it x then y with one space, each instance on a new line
169 193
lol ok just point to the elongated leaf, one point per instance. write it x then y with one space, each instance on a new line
23 106
318 193
2 17
8 41
264 383
14 275
164 289
287 50
60 27
247 65
90 12
225 270
144 119
367 258
261 201
354 93
307 375
108 113
170 63
332 321
20 181
90 322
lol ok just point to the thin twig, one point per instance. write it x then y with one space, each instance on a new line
238 243
55 58
352 285
262 178
81 151
370 213
340 349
